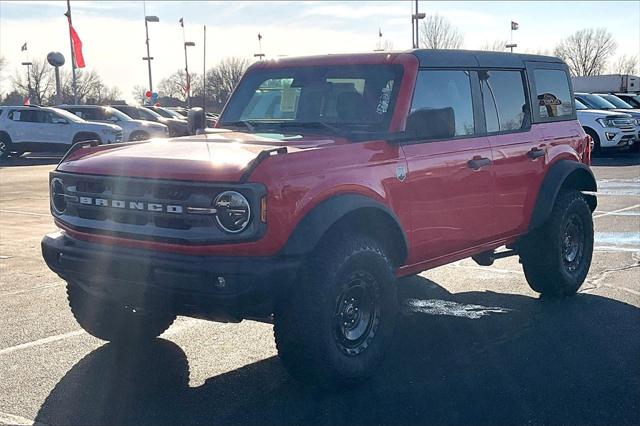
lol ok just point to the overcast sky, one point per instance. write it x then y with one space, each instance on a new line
113 32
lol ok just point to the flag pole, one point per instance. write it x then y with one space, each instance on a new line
204 73
73 57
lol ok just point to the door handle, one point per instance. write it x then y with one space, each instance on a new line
477 162
536 153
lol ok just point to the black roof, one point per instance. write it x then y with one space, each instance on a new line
477 58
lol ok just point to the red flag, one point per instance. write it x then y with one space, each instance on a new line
77 46
26 101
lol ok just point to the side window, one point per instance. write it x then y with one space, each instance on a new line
448 91
504 100
27 116
553 96
15 115
44 117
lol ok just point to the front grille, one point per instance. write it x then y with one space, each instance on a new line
148 209
623 123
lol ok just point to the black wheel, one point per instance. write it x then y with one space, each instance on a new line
597 149
139 136
556 257
85 137
110 321
332 328
5 146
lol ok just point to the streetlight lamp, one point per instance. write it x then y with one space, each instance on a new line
186 69
28 65
148 58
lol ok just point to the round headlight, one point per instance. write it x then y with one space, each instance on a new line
232 211
58 199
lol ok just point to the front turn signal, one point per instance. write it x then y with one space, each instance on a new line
263 209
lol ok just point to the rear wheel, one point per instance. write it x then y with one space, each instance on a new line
556 257
333 327
114 322
85 137
5 146
597 149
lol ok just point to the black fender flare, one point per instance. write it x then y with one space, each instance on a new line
564 172
329 212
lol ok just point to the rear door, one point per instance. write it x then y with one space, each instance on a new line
449 181
519 149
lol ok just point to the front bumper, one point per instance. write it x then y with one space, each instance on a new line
224 289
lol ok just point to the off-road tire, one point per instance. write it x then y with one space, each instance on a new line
311 340
139 136
116 323
556 257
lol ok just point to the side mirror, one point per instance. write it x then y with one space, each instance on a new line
196 121
431 123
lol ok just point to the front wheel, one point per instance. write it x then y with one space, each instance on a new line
333 327
556 257
113 322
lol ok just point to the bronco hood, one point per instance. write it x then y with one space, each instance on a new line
219 157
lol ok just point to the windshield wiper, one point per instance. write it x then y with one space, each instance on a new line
244 123
313 125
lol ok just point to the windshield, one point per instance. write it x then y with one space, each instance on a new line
147 114
595 101
329 98
580 105
619 103
111 113
66 114
168 113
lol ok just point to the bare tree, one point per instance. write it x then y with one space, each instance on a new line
138 93
496 45
438 33
90 88
42 82
175 86
626 65
222 79
587 51
3 68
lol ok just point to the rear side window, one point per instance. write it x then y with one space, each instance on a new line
553 96
504 100
450 89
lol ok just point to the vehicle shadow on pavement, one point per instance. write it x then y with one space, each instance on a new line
39 160
476 357
616 159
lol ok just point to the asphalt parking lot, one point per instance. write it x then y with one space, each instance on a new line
474 345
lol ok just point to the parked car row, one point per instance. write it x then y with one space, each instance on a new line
54 129
611 122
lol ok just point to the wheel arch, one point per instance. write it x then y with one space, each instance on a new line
349 212
564 174
7 135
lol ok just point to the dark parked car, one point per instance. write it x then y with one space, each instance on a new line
166 112
176 127
632 99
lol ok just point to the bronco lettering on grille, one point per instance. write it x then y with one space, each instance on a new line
131 205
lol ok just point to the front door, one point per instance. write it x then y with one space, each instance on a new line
449 180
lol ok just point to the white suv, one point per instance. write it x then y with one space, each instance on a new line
133 130
608 129
38 129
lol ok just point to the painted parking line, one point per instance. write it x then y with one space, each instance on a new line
12 419
25 213
616 211
173 330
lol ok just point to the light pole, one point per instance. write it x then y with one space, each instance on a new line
28 65
148 58
415 31
186 69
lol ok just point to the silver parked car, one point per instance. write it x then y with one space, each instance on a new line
42 129
134 130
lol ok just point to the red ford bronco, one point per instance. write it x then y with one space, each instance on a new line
328 178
